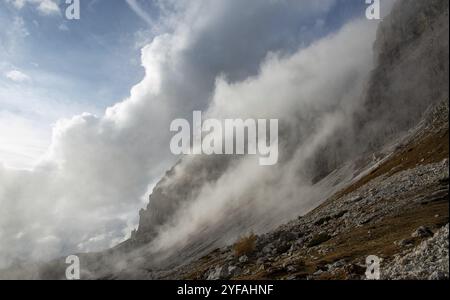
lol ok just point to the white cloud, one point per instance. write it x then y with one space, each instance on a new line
30 106
17 76
46 7
22 141
313 93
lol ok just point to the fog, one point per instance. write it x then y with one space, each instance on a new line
313 93
85 194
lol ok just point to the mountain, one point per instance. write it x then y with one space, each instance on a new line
397 210
411 52
377 185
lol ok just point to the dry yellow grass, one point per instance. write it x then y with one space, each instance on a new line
245 245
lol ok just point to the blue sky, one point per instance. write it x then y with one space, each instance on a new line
65 68
98 55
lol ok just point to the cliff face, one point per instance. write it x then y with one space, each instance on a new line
411 54
411 73
181 184
397 208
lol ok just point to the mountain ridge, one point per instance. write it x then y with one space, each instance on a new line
395 138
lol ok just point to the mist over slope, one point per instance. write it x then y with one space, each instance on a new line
321 128
200 191
85 194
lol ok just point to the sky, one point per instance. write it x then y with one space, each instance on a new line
85 105
53 68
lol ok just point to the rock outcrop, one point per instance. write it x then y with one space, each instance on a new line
412 73
429 260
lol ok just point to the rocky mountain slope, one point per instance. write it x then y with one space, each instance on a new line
408 90
397 211
399 181
411 53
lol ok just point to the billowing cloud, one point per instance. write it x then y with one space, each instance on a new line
313 93
85 193
21 140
